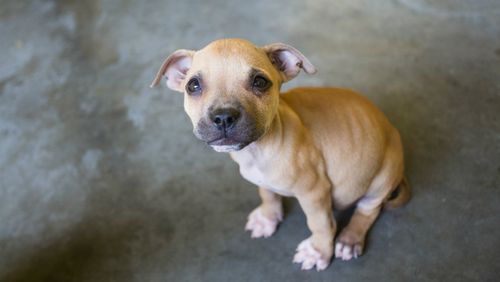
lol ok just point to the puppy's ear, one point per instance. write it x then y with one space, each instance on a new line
174 68
288 60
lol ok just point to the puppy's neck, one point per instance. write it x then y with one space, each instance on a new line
273 141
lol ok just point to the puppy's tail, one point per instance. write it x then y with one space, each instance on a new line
400 196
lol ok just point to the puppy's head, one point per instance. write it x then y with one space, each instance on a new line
231 88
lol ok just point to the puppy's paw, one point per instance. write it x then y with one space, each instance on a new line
309 257
261 226
349 245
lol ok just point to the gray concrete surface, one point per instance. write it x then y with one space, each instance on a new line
102 180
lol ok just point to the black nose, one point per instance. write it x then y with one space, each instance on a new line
224 119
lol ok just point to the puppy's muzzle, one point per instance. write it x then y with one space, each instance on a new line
225 119
225 127
228 128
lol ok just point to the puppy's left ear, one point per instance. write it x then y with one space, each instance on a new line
288 60
175 68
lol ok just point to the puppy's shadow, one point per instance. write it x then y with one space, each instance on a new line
342 217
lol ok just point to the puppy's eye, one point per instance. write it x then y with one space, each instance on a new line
193 87
260 83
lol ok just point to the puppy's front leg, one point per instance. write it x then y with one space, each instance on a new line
264 220
317 250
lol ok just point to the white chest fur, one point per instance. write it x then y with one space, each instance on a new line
252 170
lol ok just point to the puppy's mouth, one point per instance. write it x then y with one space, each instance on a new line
228 138
227 144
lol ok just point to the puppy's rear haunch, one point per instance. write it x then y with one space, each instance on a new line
328 147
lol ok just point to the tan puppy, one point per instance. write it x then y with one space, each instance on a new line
328 147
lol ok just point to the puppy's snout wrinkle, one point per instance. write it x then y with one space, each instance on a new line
225 118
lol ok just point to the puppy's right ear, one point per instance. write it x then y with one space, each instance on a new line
288 60
175 68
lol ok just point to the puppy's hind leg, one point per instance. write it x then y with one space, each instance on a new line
263 221
351 241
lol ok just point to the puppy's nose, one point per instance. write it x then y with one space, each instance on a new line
224 119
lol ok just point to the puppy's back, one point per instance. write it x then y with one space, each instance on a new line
352 133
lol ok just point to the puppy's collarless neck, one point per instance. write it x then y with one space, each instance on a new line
275 138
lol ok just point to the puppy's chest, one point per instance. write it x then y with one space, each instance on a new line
265 176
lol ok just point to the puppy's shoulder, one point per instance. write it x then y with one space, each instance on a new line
322 96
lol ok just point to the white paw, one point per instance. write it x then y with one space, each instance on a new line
347 251
261 226
309 257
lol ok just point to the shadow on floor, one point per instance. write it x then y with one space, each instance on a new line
100 245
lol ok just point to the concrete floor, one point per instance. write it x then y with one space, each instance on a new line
101 178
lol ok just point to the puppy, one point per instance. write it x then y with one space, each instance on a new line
328 147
